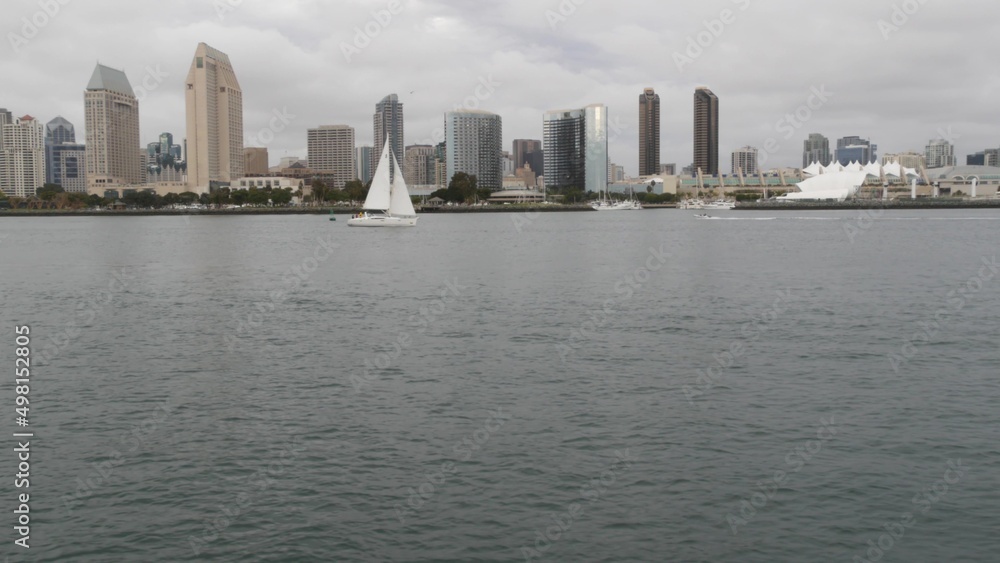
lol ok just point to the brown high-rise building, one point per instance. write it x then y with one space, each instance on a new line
521 149
255 161
649 133
706 131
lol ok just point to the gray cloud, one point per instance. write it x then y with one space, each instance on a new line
936 71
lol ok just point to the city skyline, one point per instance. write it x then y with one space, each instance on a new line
758 87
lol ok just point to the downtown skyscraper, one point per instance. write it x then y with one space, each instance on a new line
816 149
331 153
575 143
706 131
649 133
65 159
111 113
388 124
22 155
474 145
214 102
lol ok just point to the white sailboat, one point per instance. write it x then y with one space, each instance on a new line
388 203
605 203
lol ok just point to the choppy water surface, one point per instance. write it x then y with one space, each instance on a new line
563 387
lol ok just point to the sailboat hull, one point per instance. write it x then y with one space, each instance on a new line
382 221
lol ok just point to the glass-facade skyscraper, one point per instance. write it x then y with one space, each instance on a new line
816 149
575 143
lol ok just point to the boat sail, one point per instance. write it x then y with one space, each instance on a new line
605 203
388 203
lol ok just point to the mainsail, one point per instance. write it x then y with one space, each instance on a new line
378 194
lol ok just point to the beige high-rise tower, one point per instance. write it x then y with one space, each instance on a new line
214 121
111 112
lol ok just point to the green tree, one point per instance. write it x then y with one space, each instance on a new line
319 190
462 188
187 198
282 196
240 197
355 190
48 191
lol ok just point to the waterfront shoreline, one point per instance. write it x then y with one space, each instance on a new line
296 211
939 203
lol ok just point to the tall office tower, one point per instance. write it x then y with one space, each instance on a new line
111 113
706 131
536 160
65 159
419 165
649 133
22 155
441 165
939 153
855 149
5 119
745 159
906 159
522 148
473 144
576 148
163 162
57 132
331 152
388 123
255 161
816 149
214 121
363 163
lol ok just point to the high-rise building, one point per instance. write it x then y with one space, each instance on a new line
419 165
745 159
331 153
474 145
363 163
214 103
991 157
536 160
576 148
441 165
163 163
255 161
65 159
649 133
111 113
522 148
59 131
855 149
816 149
939 153
706 131
22 155
668 169
388 124
906 159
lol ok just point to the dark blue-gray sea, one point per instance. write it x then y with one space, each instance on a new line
648 386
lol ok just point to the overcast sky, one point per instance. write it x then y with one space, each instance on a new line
899 82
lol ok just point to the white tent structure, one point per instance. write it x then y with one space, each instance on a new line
838 182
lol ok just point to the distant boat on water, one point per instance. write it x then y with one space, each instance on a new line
388 203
